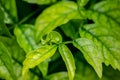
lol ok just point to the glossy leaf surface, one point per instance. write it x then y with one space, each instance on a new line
54 37
71 28
37 56
55 16
68 59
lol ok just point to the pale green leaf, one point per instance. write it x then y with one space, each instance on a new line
55 16
105 42
6 60
41 2
57 76
25 37
37 56
106 14
68 59
90 53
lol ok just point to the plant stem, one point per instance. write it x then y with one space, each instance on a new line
28 17
68 42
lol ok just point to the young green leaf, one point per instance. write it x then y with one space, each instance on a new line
55 16
41 2
37 56
68 59
54 37
7 60
25 37
90 53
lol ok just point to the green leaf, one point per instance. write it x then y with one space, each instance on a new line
6 59
106 43
57 76
54 37
14 49
106 14
37 56
82 3
71 29
9 7
68 59
41 2
3 28
25 37
84 71
42 66
90 53
55 16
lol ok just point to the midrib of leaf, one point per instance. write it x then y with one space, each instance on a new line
88 54
26 37
108 16
96 37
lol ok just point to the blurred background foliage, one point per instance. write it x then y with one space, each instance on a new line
19 12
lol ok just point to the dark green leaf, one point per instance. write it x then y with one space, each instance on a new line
3 28
55 16
9 7
14 49
71 28
37 56
82 3
84 71
68 59
6 60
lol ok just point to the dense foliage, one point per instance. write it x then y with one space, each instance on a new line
59 39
